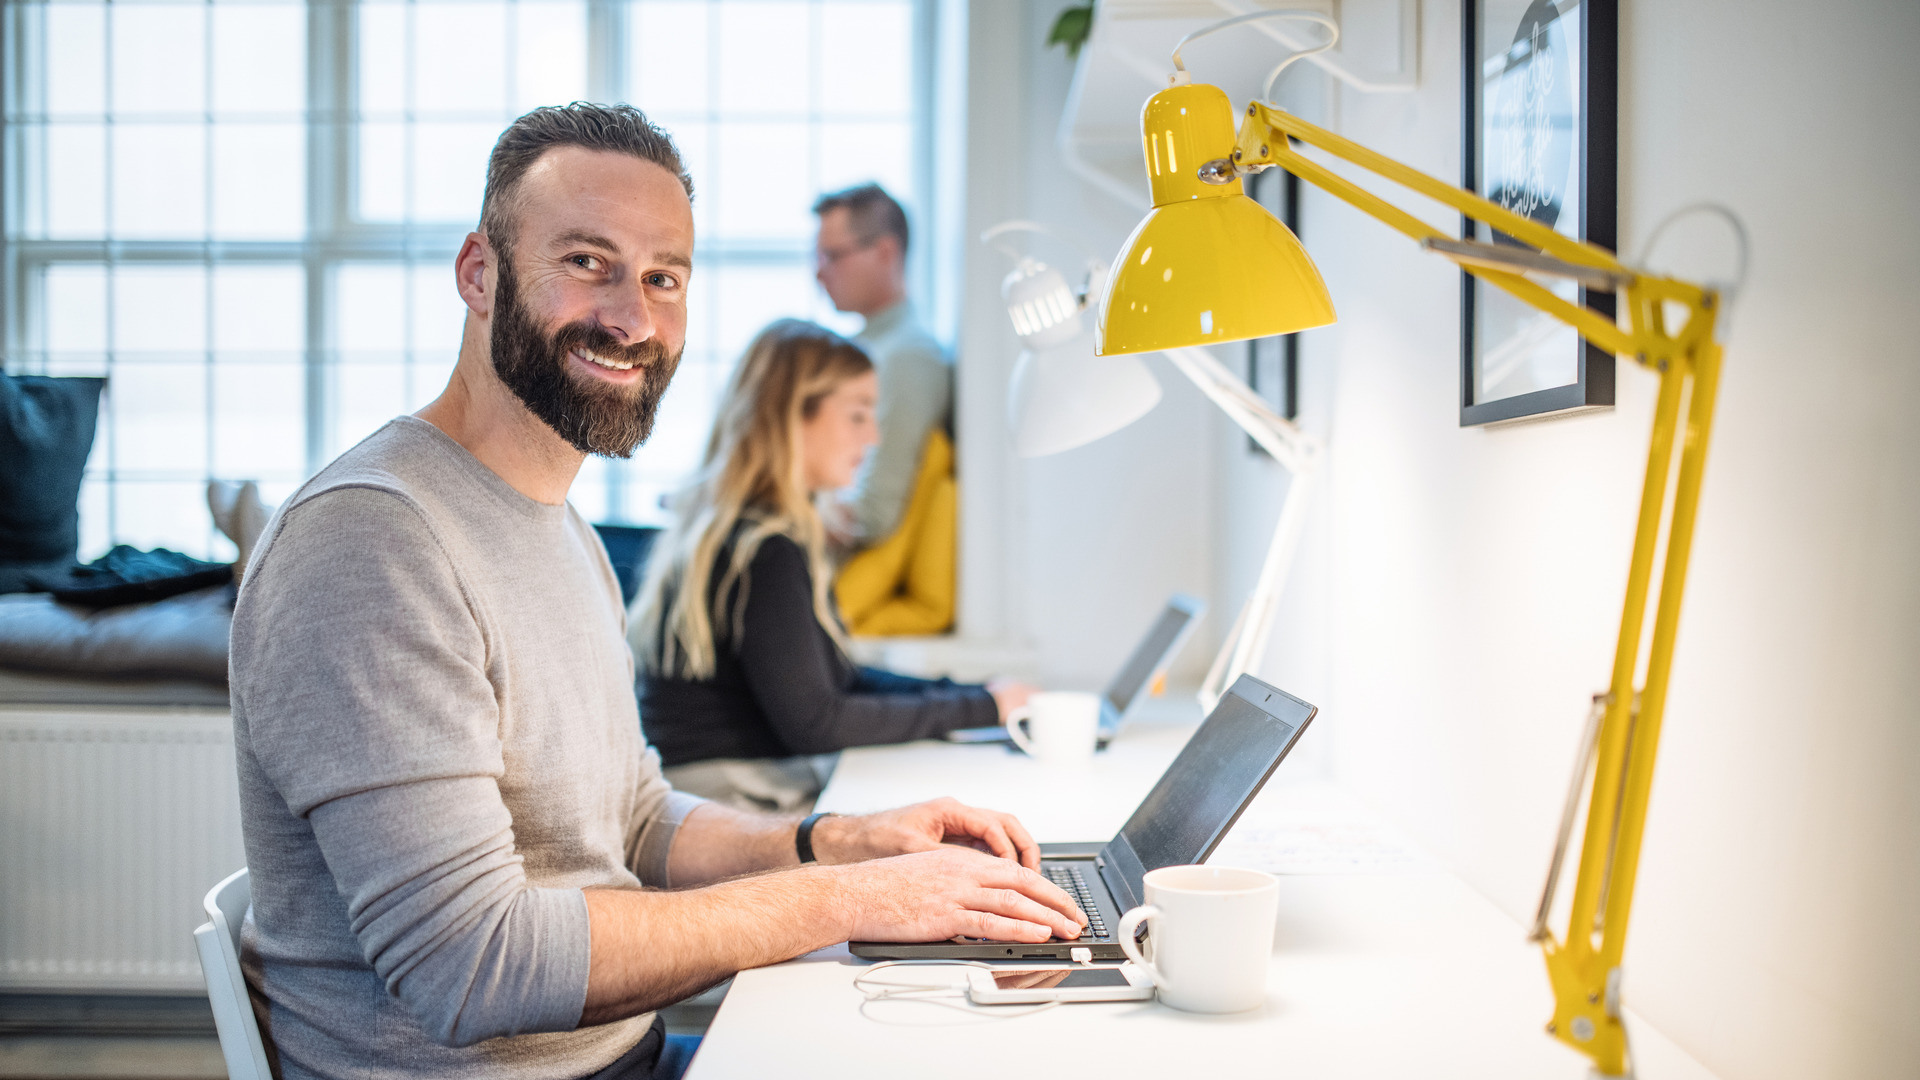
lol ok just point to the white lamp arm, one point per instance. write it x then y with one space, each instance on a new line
1276 434
1297 451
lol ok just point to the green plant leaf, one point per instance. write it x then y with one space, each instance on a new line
1071 29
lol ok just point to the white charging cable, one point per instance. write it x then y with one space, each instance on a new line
946 995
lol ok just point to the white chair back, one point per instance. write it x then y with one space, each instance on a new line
218 940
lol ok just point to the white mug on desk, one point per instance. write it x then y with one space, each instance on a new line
1057 727
1211 934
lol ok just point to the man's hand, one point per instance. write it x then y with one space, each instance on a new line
936 895
1009 694
924 827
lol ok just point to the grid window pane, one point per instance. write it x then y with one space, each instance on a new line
96 514
669 50
550 43
253 325
370 311
259 181
680 430
259 414
159 181
368 393
763 203
260 58
159 59
75 181
439 314
159 309
163 513
382 172
73 312
77 47
764 62
851 153
382 56
159 412
863 69
260 308
450 170
460 58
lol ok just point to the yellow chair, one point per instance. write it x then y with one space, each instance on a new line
908 583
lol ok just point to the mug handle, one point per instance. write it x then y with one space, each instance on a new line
1129 926
1020 738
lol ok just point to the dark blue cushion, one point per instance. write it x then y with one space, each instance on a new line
627 547
46 432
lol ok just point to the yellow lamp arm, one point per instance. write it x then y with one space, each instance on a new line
1584 969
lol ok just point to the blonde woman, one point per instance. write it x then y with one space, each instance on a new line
744 681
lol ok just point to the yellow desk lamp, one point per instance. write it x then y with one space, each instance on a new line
1209 265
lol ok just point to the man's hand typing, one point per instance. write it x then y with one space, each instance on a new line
924 827
935 895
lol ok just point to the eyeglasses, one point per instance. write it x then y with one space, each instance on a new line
825 257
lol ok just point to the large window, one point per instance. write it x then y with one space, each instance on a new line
243 212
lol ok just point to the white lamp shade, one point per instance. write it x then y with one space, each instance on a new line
1065 396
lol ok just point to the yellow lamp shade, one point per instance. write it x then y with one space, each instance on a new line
1207 264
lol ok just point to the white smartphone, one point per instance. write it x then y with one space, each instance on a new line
1058 982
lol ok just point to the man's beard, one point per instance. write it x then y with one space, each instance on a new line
594 417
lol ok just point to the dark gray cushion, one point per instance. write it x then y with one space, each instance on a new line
183 636
46 432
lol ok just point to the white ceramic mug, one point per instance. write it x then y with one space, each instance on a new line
1057 727
1210 935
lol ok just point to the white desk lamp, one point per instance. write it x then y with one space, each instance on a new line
1063 396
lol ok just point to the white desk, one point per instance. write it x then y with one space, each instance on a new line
1400 972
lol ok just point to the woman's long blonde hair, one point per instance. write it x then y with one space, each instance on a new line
753 473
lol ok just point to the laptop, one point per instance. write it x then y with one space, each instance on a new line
1148 660
1181 821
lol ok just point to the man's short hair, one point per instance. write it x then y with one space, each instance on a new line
620 129
872 211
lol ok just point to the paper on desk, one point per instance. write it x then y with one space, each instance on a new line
1318 848
1315 830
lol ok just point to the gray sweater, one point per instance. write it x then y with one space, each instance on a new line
916 396
438 749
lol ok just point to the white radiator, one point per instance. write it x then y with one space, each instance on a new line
114 823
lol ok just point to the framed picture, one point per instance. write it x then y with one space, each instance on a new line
1273 363
1539 137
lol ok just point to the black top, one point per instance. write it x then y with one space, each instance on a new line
785 688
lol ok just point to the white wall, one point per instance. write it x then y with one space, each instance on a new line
1473 577
1457 599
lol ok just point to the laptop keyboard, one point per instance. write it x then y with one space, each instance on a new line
1070 881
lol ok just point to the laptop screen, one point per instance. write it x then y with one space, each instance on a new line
1153 652
1219 772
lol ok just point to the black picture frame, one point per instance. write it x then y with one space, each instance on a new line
1595 170
1273 363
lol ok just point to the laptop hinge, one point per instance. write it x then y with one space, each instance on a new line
1117 885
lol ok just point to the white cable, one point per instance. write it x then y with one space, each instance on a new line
1729 292
943 995
1333 38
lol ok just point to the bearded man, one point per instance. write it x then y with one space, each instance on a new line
460 849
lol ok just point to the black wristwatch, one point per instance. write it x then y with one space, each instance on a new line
803 836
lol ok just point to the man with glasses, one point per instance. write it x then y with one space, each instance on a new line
861 260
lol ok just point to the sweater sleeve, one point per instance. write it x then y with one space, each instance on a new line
811 696
363 672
